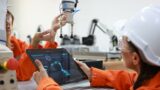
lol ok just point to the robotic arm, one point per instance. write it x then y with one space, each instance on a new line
89 40
68 7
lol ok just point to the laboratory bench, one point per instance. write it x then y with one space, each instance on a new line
82 85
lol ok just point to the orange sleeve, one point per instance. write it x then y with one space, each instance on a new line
118 79
25 65
19 46
48 84
51 45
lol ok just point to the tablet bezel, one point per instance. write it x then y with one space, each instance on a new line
59 50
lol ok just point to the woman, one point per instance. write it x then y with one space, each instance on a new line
140 52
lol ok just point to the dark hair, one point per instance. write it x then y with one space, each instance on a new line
9 13
147 71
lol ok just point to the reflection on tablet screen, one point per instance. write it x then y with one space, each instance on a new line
58 64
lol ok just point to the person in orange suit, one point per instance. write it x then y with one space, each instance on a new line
25 66
140 52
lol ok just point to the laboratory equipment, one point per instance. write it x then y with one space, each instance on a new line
8 79
90 39
69 8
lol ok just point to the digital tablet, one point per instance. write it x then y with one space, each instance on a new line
59 64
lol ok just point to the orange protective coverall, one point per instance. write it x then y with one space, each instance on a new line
117 79
25 66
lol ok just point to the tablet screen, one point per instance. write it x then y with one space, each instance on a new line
59 64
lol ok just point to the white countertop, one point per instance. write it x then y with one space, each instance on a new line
82 85
27 85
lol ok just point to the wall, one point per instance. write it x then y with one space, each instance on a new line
30 13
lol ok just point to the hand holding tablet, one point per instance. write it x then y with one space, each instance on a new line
59 64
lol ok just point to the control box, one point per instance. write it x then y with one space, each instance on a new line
8 79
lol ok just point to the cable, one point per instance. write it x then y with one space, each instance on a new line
61 33
71 30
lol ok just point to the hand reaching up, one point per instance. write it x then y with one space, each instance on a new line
42 36
59 21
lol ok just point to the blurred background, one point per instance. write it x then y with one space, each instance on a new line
30 14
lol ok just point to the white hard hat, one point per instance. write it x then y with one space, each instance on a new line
143 30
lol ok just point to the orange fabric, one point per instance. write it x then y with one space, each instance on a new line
121 80
19 46
51 45
117 79
48 84
25 66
